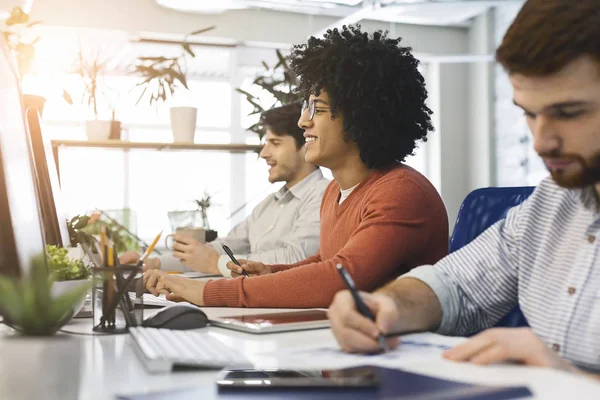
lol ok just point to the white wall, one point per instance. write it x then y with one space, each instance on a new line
461 151
481 93
447 150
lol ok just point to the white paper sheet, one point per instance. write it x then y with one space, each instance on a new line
416 348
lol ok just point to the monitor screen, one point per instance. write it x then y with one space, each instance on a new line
20 228
54 219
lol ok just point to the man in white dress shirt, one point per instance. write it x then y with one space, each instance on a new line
283 228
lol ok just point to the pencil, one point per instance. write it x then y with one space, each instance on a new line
103 244
149 250
111 282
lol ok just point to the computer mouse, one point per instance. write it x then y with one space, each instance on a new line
178 317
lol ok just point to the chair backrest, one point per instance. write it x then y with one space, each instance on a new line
481 209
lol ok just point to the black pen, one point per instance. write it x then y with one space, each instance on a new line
360 304
230 254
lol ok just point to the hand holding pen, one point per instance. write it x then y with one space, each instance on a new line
233 259
361 307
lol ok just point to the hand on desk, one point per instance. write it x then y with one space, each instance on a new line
131 257
252 268
356 333
175 288
508 344
196 255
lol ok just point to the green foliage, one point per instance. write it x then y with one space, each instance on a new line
281 82
19 38
28 305
64 268
82 229
76 233
164 74
118 233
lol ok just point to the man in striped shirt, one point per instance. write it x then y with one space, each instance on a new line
545 255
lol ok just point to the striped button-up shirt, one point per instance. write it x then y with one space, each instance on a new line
543 256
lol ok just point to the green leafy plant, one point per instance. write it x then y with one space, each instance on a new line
27 303
82 229
64 268
281 82
20 39
76 234
162 75
123 240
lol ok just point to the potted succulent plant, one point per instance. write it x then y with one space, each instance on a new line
29 305
66 272
162 76
280 82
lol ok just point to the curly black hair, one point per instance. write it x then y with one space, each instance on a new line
374 83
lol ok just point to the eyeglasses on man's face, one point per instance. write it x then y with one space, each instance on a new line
310 105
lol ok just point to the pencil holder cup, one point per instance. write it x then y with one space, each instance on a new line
116 305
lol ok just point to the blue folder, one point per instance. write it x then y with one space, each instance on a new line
395 384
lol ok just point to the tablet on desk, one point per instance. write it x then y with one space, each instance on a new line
275 322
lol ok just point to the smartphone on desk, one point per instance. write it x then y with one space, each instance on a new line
357 377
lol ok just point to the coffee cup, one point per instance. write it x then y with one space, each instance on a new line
198 234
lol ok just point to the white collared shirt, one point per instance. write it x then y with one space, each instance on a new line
282 229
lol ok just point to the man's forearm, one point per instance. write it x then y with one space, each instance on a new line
419 308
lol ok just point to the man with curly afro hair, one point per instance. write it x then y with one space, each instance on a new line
364 113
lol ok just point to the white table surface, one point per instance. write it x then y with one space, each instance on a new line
70 366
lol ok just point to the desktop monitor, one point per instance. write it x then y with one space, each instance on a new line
47 184
20 229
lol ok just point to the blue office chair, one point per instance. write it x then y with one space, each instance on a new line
481 209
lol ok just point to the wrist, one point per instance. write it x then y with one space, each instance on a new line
213 267
195 293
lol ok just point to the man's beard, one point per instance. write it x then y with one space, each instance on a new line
588 173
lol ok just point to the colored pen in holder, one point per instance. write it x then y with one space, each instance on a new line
115 308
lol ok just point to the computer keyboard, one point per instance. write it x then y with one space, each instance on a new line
160 350
151 300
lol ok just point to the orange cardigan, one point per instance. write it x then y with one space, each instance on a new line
392 222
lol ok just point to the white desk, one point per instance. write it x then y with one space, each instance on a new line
99 367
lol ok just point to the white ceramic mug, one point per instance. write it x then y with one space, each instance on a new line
192 232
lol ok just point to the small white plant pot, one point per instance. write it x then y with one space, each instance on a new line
60 287
183 124
98 130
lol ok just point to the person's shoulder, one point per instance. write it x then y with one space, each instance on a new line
401 177
315 187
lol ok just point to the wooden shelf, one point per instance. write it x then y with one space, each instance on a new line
120 144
